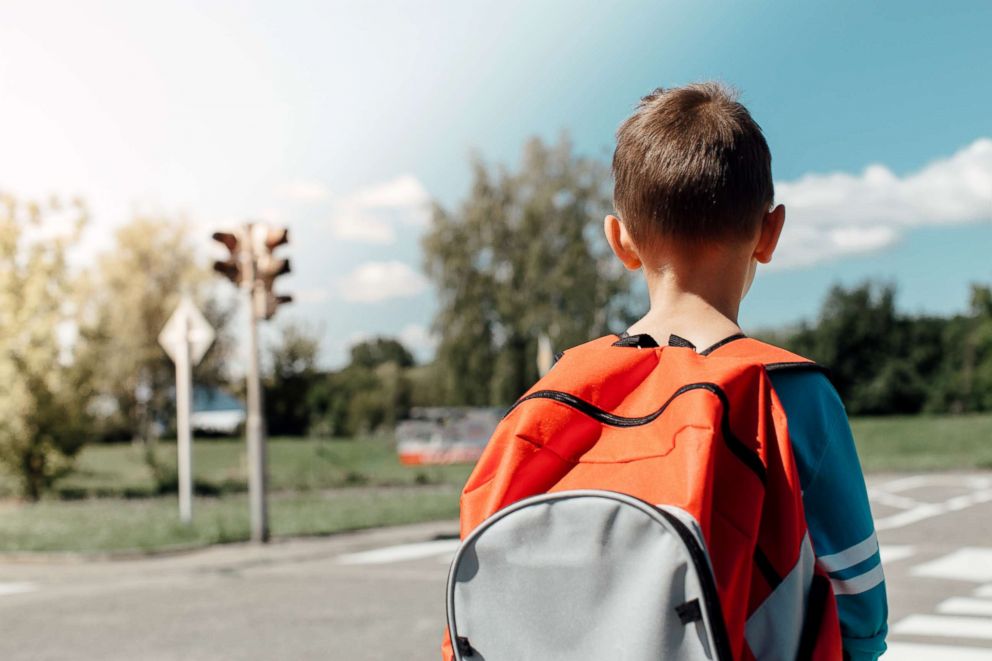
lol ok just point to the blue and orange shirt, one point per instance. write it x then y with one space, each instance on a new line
835 501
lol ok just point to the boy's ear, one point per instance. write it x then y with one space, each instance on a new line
771 230
619 240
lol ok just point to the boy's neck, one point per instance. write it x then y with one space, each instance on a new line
697 299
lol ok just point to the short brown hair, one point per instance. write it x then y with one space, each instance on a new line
691 164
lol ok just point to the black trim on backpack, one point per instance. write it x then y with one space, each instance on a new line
748 456
646 341
727 340
766 568
799 365
689 612
819 592
707 583
464 647
641 341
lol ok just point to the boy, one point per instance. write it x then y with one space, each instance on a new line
693 190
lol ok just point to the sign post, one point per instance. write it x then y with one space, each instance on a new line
186 337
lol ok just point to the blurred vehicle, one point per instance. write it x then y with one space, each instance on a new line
445 435
216 412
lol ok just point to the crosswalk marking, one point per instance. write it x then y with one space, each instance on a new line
400 553
893 553
944 626
966 564
917 652
966 606
18 587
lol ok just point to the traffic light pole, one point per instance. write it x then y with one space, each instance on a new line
255 424
252 266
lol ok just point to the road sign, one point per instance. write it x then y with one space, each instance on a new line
187 326
186 337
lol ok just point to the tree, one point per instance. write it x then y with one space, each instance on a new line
522 256
291 378
45 388
881 361
133 291
372 392
380 350
965 378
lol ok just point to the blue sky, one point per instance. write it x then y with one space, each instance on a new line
342 119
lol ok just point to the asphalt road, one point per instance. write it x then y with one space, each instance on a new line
379 594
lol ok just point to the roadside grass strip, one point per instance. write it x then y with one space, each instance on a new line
101 526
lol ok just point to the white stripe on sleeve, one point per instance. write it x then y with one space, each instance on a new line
850 556
860 583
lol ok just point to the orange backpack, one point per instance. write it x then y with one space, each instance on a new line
700 431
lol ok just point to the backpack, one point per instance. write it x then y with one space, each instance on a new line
641 502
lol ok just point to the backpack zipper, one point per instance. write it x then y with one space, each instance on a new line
748 456
711 598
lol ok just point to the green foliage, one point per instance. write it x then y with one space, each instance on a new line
378 351
291 379
372 392
133 290
885 362
45 390
521 256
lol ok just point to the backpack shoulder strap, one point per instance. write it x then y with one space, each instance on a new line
774 358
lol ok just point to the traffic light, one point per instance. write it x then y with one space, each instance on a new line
268 267
230 268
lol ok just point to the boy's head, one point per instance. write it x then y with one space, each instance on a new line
691 167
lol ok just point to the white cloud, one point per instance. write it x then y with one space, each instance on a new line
304 191
371 214
379 281
838 214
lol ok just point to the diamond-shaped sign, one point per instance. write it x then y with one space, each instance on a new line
187 324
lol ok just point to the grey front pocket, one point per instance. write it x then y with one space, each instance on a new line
580 575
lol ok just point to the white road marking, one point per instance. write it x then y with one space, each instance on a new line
892 500
967 564
930 510
966 606
400 553
984 591
894 553
945 626
17 588
918 652
905 483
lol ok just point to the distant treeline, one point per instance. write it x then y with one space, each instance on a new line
886 362
882 362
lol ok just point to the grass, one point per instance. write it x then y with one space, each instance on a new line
326 486
924 443
107 525
220 467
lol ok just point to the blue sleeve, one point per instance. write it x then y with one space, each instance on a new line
837 511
